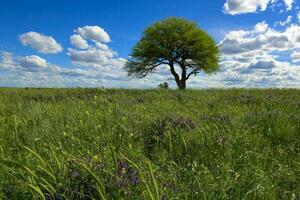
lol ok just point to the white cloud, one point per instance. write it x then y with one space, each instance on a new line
101 46
261 39
41 43
254 58
103 61
34 71
235 7
289 4
296 56
95 65
7 60
79 42
95 33
33 62
90 57
97 55
261 27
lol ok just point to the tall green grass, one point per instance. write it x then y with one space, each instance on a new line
149 144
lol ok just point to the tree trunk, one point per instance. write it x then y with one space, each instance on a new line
181 84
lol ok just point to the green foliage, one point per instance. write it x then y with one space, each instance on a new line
137 144
174 42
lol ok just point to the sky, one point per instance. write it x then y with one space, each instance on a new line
51 43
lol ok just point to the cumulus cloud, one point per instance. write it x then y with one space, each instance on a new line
90 57
32 71
32 62
235 7
261 39
102 59
41 43
94 63
94 33
18 64
261 57
98 54
79 42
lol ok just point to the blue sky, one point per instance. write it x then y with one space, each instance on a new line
24 64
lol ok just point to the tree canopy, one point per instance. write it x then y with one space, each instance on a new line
177 44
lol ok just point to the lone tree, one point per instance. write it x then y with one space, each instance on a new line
177 44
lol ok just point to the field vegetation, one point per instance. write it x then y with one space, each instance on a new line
149 144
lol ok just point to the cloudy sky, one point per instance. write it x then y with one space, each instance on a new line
59 43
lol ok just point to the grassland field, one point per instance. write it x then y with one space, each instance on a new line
149 144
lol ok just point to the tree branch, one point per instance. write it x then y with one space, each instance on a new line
172 69
191 73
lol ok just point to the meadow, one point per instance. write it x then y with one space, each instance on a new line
149 144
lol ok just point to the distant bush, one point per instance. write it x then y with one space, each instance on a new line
163 85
